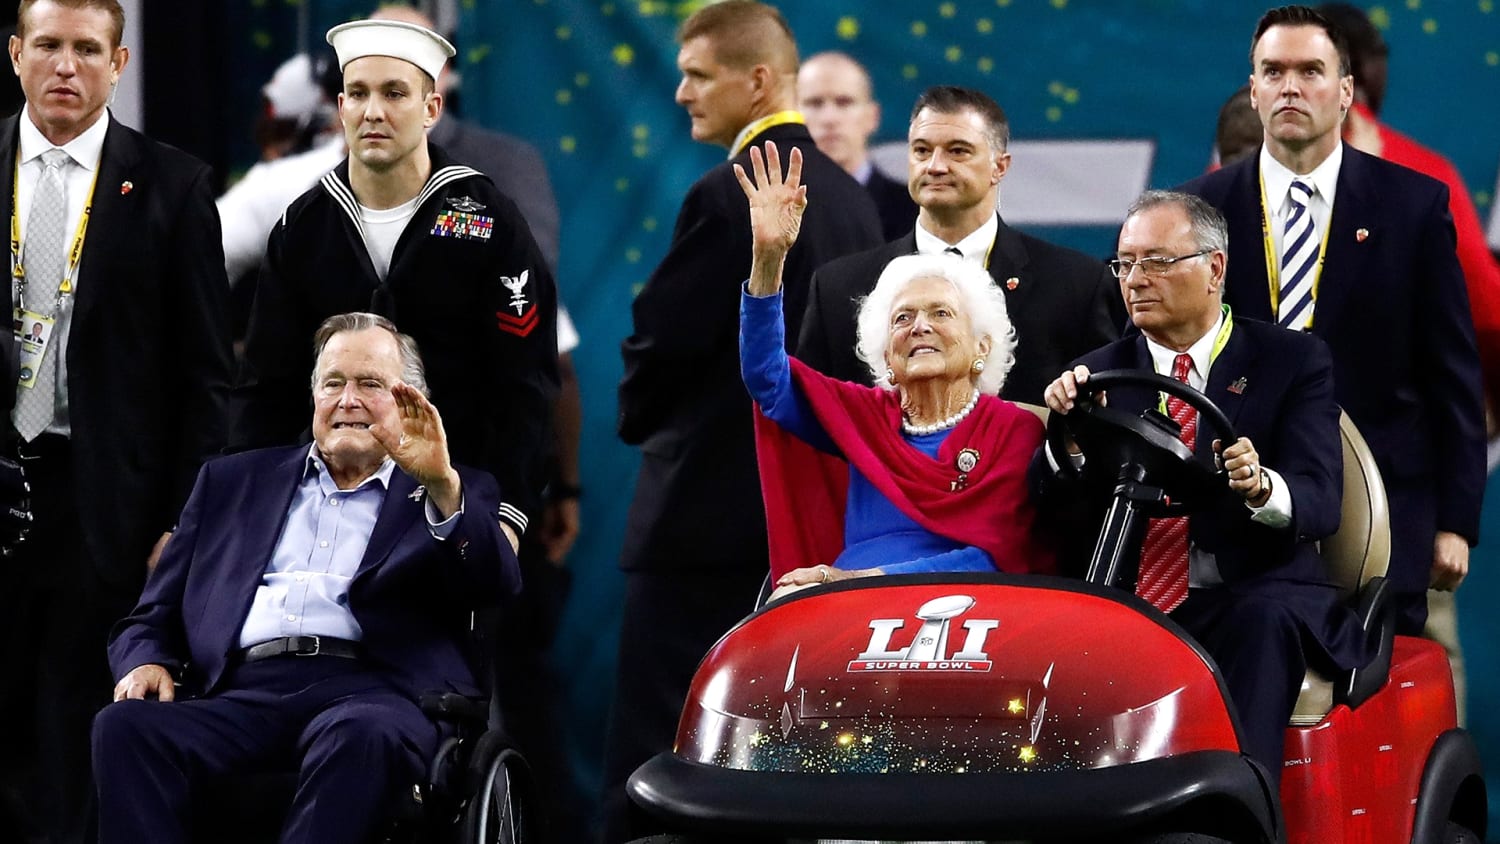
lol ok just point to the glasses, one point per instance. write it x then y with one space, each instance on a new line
1155 266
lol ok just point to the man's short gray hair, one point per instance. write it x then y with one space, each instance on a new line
413 374
981 300
1210 232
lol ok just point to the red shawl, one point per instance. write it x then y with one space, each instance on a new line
806 491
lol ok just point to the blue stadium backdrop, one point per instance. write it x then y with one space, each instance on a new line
590 82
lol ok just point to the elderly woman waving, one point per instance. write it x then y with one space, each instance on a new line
925 471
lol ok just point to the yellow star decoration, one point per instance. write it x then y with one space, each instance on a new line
985 64
1054 114
1486 6
1059 4
640 149
947 10
847 28
564 33
581 80
1381 17
1492 58
651 8
649 224
564 96
607 9
633 255
622 184
919 28
568 144
640 131
1028 754
1016 706
623 54
477 54
1414 4
1002 3
1429 26
909 71
984 26
954 53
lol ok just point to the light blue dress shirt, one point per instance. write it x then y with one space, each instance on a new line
305 589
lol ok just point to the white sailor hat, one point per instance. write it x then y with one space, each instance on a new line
407 41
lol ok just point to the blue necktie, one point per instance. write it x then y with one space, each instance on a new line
1299 261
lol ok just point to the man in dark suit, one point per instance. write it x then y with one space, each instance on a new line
834 94
1061 302
114 415
311 594
1376 276
1248 582
695 551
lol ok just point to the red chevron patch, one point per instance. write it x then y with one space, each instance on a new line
520 326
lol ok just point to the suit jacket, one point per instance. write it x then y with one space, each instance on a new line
898 212
411 593
697 499
1063 305
148 356
1393 308
1283 401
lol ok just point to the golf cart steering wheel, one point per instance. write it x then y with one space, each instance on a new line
1113 438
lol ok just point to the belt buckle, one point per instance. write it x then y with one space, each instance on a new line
317 646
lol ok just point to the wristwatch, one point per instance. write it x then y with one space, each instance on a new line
1265 484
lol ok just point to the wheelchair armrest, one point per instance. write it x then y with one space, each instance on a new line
1378 621
454 707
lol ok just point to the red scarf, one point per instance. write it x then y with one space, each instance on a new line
806 491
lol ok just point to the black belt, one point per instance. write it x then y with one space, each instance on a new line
303 646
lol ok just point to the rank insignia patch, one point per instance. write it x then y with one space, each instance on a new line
463 225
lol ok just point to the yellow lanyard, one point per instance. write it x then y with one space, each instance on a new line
17 248
1273 261
1220 341
761 125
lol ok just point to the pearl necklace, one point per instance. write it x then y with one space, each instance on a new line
941 425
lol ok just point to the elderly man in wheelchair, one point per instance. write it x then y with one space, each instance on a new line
311 596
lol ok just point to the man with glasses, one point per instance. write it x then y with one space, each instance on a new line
1061 302
1361 253
1242 574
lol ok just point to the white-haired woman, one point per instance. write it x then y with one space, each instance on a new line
936 463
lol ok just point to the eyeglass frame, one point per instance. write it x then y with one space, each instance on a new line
1159 266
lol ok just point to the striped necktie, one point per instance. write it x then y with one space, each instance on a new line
1163 578
1299 260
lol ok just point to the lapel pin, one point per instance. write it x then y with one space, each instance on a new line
416 494
1360 235
126 187
1012 283
1238 386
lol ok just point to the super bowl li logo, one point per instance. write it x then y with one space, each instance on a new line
928 650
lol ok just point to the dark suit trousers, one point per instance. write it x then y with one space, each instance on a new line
672 618
1257 643
360 743
58 616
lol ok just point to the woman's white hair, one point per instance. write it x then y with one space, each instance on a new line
981 300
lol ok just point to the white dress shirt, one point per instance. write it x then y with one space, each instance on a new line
975 246
1277 178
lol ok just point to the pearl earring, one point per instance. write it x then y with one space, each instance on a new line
978 365
890 375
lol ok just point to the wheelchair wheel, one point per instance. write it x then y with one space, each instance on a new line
500 810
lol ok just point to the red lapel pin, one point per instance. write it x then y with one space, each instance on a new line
1012 283
1360 235
126 187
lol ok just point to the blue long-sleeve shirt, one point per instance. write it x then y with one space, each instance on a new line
876 533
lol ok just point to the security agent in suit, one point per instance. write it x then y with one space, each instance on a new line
1259 600
1062 302
834 94
695 551
1388 296
112 440
312 595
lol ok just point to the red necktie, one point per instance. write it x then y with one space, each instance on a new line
1163 577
